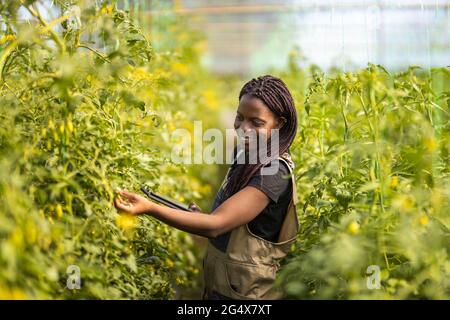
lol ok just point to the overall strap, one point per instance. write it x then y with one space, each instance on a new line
291 166
286 157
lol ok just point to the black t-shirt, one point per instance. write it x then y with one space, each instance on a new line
267 224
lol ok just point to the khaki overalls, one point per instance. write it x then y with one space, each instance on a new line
248 268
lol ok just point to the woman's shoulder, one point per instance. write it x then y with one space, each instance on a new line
279 165
273 180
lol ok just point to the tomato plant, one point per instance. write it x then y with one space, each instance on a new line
373 155
83 101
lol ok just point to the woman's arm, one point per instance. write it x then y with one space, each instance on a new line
237 210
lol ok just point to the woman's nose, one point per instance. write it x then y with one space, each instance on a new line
246 128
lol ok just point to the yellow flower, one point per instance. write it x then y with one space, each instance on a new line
180 68
12 294
70 125
430 144
169 263
140 73
17 238
107 9
7 38
59 211
394 181
423 220
126 221
403 202
210 99
353 227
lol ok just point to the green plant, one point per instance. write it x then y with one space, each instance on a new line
373 155
82 99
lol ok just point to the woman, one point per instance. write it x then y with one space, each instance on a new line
253 220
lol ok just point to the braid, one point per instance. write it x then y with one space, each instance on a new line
276 96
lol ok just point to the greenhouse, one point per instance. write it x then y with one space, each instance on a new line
224 150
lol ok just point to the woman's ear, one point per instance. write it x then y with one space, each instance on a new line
281 122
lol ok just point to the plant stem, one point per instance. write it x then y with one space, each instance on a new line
8 50
31 9
95 51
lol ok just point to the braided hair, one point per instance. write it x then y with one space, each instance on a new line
274 93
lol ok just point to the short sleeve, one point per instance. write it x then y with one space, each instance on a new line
273 185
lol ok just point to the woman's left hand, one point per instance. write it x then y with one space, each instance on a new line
194 207
132 203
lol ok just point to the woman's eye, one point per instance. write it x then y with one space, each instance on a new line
257 124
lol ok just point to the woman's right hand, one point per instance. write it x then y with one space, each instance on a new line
132 203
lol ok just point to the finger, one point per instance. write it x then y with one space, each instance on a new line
117 204
194 207
127 194
120 204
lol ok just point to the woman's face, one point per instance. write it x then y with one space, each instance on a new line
254 116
